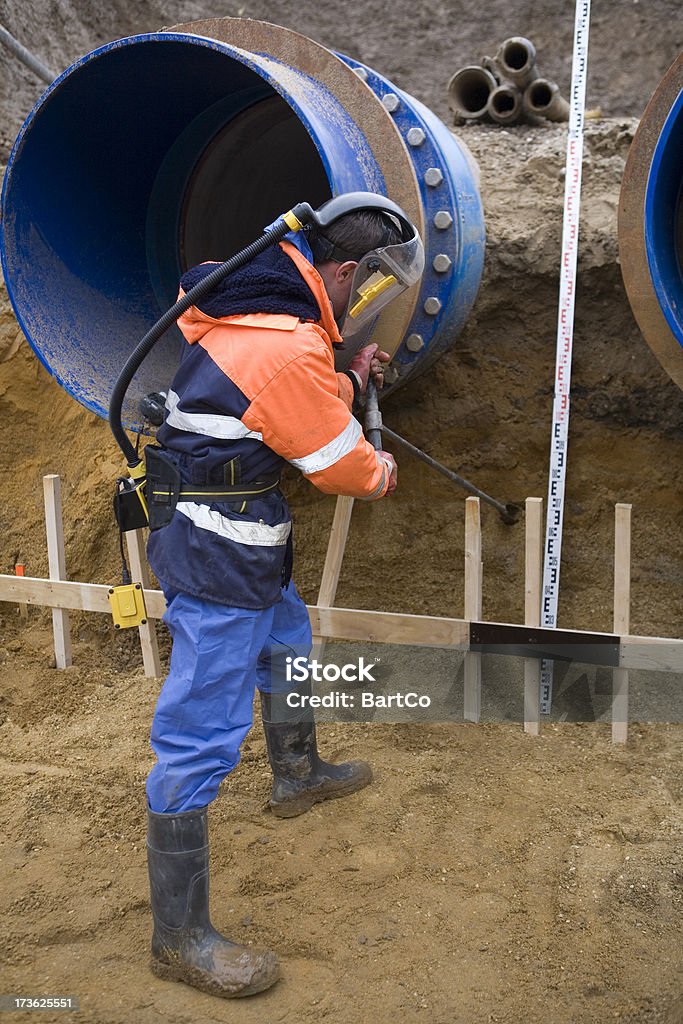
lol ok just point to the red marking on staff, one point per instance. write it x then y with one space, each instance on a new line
19 569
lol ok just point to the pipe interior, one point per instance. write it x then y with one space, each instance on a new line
504 101
232 193
540 94
162 155
679 231
471 91
516 56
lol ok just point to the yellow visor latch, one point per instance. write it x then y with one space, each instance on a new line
373 287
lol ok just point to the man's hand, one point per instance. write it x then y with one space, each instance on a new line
393 470
366 362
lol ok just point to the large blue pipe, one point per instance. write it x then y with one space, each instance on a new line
651 223
664 219
158 151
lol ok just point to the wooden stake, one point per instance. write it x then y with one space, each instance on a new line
333 559
135 543
533 582
57 563
473 603
622 615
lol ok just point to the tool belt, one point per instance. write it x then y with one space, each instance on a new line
164 489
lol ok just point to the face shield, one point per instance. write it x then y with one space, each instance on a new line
381 276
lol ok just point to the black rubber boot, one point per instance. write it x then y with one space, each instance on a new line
300 777
185 946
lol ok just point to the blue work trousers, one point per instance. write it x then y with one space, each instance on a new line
205 708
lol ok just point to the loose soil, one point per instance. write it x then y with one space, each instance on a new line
485 875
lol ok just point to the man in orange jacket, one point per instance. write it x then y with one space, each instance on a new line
256 387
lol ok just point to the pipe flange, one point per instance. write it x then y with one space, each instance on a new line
454 227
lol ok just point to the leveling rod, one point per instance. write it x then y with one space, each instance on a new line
374 428
559 437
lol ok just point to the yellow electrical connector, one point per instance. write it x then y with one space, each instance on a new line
292 221
127 605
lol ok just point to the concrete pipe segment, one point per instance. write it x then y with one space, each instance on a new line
159 151
651 223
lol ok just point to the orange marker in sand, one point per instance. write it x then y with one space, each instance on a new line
20 570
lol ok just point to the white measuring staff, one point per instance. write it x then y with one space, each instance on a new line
565 337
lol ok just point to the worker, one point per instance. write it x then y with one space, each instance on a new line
256 387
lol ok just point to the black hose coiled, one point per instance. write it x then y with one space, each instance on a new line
142 349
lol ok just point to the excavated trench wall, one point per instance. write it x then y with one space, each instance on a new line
485 407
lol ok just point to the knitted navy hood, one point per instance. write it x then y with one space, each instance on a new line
270 283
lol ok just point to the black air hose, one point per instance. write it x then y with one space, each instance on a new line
274 235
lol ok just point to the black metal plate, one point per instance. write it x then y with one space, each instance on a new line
550 644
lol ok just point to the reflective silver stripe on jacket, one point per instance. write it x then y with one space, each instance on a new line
227 428
333 451
253 534
380 486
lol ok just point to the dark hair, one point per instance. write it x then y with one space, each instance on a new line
354 235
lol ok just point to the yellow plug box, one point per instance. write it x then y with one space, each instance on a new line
127 605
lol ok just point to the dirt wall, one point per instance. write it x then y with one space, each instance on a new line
417 46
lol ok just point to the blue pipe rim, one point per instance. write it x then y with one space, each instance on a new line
662 209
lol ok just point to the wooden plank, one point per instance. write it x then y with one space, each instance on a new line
390 627
657 654
87 597
622 568
135 542
660 654
473 603
472 560
56 558
622 613
533 561
336 547
340 623
533 582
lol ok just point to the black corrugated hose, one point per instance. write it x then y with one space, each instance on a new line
270 237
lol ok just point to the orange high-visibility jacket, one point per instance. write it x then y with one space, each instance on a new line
251 392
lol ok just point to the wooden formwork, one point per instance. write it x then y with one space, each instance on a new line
662 654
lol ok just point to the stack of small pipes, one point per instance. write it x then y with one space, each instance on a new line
507 89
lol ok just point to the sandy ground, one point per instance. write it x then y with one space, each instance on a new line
485 876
